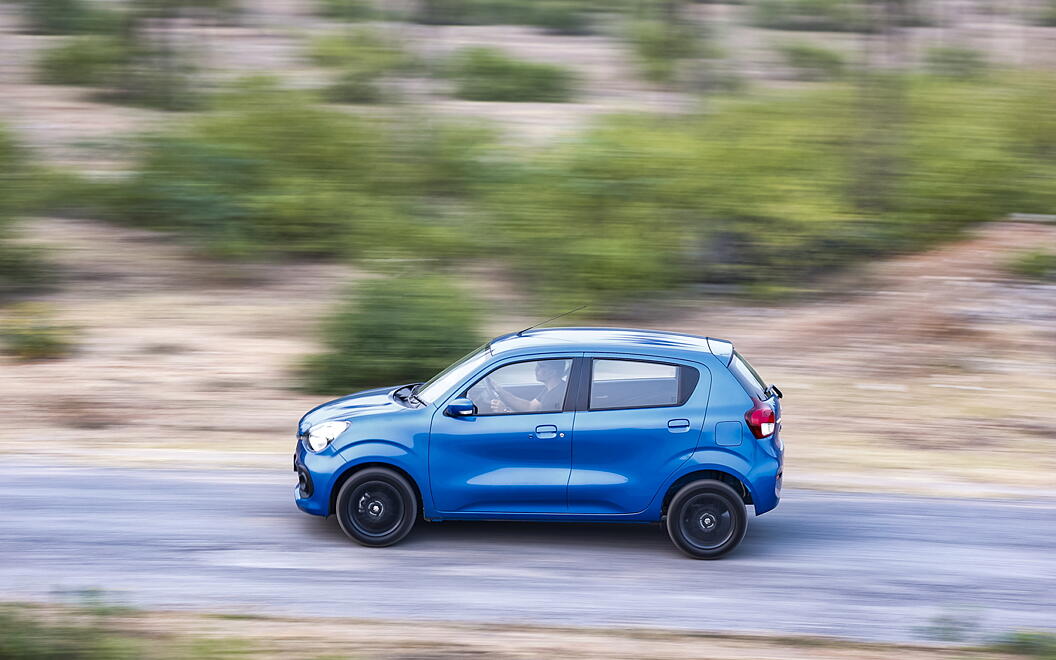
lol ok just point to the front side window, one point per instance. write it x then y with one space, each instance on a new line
635 384
522 387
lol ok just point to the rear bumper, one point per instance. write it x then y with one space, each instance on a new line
766 486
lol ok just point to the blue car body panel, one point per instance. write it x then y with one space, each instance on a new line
574 464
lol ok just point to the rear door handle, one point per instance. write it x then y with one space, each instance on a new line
678 425
546 431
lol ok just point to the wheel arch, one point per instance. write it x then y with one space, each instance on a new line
350 470
739 485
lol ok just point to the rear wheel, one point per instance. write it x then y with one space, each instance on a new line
706 519
376 507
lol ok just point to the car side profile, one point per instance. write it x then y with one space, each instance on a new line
556 424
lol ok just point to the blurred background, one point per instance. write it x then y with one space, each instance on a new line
215 214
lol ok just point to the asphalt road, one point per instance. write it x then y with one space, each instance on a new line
862 566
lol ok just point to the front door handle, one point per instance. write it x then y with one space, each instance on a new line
678 425
546 431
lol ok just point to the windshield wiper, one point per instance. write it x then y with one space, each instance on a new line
414 394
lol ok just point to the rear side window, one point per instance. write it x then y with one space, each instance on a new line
748 377
618 384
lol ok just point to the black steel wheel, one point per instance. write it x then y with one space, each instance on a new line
376 507
706 519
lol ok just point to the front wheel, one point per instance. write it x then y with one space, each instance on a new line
376 507
706 519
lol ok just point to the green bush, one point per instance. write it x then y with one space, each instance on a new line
487 74
955 62
129 69
394 330
819 15
362 57
271 173
1046 16
347 10
763 191
662 45
472 12
91 60
154 76
561 17
1035 265
1040 645
570 17
88 634
811 62
363 48
29 332
21 268
71 17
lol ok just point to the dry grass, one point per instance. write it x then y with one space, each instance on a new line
268 637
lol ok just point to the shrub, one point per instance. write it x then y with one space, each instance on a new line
363 57
274 174
363 48
71 17
760 191
1040 645
347 10
1046 16
820 15
561 17
88 634
394 330
1035 265
487 74
29 332
89 60
130 70
812 62
955 62
662 45
472 12
21 268
154 76
571 17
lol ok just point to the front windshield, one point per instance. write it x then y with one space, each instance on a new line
448 378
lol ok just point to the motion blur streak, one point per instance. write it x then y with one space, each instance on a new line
216 214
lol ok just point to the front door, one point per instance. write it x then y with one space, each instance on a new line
515 454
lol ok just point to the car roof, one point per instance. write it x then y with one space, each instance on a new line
629 340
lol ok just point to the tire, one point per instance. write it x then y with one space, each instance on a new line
706 519
376 507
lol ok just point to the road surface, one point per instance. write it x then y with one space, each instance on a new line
861 566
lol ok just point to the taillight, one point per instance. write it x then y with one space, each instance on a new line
761 420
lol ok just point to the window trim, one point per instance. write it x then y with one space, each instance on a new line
686 386
568 405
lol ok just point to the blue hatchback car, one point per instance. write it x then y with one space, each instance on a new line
557 424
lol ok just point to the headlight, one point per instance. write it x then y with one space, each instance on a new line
320 435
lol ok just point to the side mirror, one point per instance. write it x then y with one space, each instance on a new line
777 391
460 408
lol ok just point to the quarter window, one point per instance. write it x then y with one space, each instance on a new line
637 384
522 387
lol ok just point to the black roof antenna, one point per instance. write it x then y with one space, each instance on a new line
533 327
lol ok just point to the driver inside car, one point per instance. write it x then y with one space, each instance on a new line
551 373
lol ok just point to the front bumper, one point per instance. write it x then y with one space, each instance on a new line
316 473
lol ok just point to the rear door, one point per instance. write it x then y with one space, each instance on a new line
638 419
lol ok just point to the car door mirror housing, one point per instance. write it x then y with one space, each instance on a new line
460 408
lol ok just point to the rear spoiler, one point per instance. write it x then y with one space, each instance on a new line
721 349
